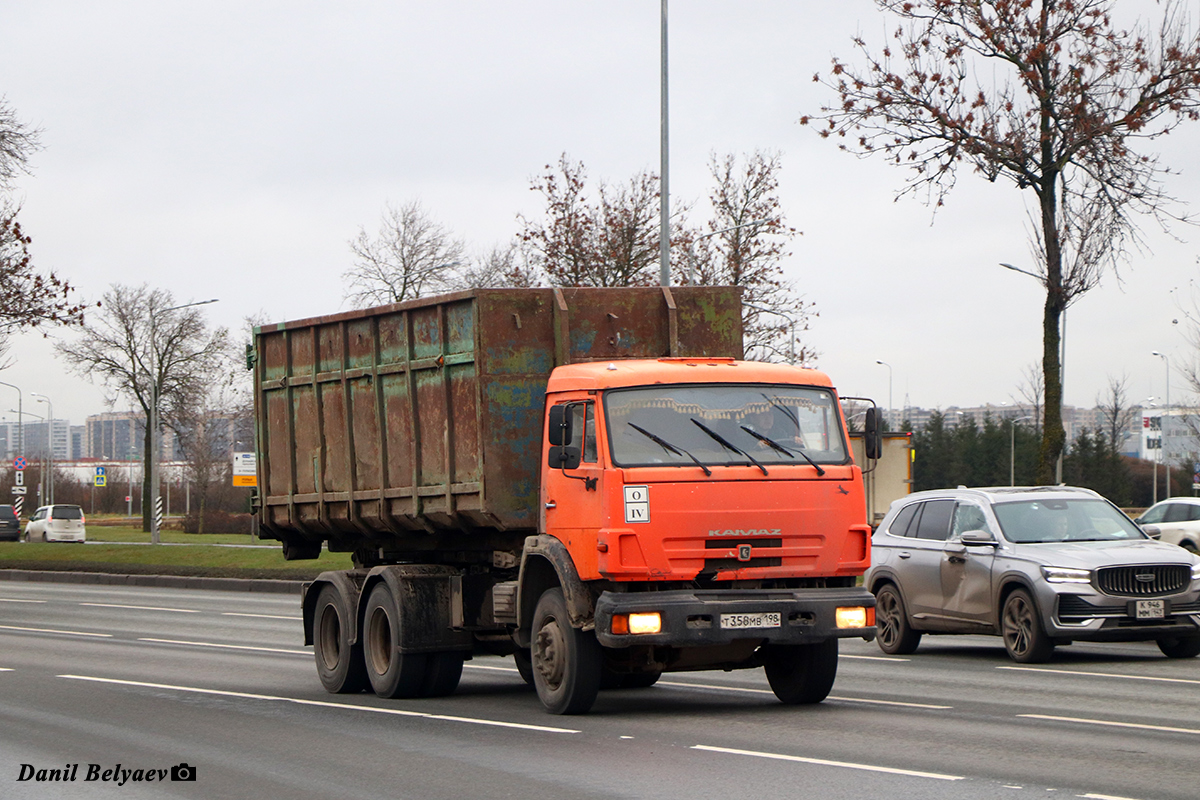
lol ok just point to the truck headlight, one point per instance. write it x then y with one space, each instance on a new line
1066 575
638 622
853 617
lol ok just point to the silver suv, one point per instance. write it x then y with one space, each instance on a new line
1038 566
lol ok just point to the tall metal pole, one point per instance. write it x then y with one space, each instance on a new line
1162 428
664 199
891 421
49 448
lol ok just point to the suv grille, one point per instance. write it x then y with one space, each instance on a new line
1146 581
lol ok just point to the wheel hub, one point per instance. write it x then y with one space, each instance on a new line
548 651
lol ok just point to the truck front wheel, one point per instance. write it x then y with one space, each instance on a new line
566 660
339 663
392 673
802 674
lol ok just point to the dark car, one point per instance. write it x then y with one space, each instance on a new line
10 526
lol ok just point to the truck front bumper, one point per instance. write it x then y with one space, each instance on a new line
718 616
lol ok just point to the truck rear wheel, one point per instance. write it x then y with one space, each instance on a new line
802 674
392 673
339 663
442 673
566 660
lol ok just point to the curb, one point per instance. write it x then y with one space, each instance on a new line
168 581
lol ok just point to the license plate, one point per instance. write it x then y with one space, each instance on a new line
766 619
1151 609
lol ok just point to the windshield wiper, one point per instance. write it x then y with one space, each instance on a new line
664 444
777 446
719 439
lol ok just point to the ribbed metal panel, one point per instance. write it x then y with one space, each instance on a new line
1145 581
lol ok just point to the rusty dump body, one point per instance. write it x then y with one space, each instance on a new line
395 427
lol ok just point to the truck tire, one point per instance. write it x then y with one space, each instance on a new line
804 673
392 673
442 673
566 660
524 661
339 663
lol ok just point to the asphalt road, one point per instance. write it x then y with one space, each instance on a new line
137 681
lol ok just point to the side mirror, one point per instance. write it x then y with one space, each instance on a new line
1153 531
560 424
562 457
979 539
872 436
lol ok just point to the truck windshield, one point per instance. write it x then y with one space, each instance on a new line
772 424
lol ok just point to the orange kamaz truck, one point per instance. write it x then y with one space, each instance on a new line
589 480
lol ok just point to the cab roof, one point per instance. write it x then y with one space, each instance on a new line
647 372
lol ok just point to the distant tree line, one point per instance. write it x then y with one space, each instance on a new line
969 454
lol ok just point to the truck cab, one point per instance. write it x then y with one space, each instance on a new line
714 517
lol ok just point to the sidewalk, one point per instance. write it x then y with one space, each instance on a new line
166 581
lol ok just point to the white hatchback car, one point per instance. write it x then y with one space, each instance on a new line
1176 521
56 524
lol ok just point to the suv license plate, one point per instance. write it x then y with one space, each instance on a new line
766 619
1151 609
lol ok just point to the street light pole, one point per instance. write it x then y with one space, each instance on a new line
153 432
49 447
664 201
791 327
1162 427
891 422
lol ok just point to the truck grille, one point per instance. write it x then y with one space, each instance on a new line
1145 581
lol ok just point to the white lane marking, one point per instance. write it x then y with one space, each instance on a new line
826 763
768 691
227 646
5 669
874 658
1111 723
753 691
1080 673
52 630
14 600
258 616
323 704
142 608
1105 797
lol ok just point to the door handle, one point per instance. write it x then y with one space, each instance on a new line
904 554
551 504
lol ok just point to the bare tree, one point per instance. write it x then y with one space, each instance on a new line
502 266
612 241
744 245
1116 411
178 361
28 299
1030 390
413 255
1046 94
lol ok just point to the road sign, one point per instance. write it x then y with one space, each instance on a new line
19 478
19 463
99 477
19 489
245 469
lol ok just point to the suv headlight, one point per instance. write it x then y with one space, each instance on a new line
1196 572
1070 575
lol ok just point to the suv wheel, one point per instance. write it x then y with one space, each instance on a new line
1021 626
1180 647
892 631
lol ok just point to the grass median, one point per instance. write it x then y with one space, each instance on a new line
128 551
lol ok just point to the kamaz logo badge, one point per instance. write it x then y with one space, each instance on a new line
743 552
747 532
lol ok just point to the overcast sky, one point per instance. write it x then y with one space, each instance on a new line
231 150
